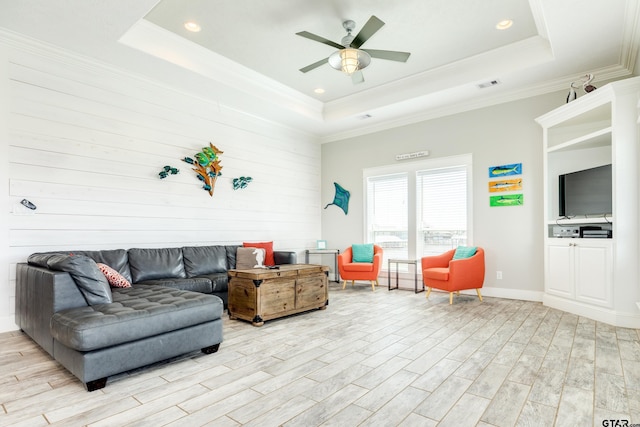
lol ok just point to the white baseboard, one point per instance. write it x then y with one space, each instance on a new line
521 294
600 314
8 324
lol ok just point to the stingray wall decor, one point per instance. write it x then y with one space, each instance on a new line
207 166
341 199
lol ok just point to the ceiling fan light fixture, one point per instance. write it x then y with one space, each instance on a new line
349 60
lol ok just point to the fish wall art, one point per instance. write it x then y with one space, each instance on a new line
242 182
168 170
207 166
505 170
506 200
505 185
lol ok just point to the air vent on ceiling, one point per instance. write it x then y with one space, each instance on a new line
489 84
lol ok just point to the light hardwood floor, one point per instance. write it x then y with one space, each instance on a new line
371 359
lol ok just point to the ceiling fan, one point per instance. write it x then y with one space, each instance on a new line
349 58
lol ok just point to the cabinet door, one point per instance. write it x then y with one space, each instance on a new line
276 296
593 272
311 291
560 278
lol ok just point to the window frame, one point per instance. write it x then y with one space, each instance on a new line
411 168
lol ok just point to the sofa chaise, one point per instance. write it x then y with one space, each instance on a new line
173 306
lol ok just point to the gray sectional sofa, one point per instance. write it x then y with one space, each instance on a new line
173 307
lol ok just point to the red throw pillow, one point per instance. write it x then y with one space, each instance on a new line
268 248
115 279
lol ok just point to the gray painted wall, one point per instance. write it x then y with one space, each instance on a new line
502 134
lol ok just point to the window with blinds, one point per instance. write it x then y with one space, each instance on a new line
387 211
442 210
419 208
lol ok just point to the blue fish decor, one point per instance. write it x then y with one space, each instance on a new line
341 199
168 170
207 166
505 170
242 182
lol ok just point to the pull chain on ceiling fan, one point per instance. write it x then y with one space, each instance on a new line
349 58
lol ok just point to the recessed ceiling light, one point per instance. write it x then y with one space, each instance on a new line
319 90
504 24
192 26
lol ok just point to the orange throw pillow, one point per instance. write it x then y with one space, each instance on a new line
268 248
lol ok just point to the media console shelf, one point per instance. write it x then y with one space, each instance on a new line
597 278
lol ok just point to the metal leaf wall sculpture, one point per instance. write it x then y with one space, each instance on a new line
207 166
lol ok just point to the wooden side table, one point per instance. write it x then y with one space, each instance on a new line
413 262
335 252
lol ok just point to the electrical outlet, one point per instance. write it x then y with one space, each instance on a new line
499 275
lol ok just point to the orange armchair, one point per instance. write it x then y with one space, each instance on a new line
453 275
353 271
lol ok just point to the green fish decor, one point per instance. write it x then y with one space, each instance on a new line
242 182
207 166
168 170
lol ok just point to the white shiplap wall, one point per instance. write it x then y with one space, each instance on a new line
85 144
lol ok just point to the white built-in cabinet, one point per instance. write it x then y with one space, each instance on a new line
595 277
580 269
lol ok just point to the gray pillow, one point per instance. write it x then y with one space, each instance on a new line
248 258
88 277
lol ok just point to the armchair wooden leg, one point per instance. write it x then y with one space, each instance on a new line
353 282
450 298
479 295
344 283
428 293
373 285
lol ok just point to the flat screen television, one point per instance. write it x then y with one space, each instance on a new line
586 192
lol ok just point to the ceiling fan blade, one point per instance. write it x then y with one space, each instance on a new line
390 55
370 28
314 65
357 77
317 38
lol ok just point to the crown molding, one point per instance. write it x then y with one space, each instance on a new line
605 74
154 40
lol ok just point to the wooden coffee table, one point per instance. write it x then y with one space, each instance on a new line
258 295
